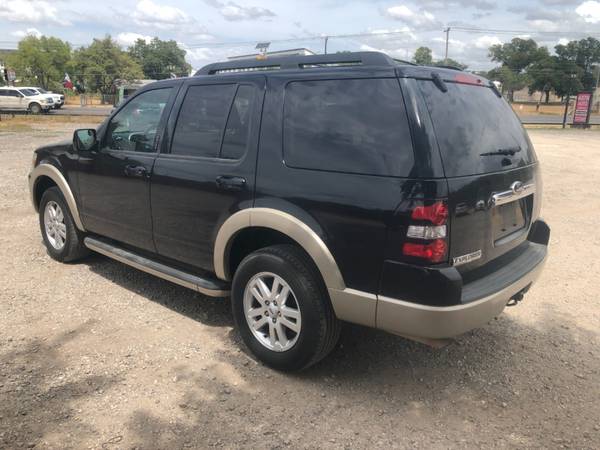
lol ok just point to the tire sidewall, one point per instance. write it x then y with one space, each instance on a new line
35 108
306 292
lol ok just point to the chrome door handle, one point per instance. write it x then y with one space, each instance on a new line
229 183
136 171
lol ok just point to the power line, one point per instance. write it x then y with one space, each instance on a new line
528 32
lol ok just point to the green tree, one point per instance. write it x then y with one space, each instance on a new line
544 75
41 61
159 59
585 53
99 66
423 56
511 81
515 57
449 62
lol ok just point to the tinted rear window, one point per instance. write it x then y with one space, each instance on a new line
355 126
471 120
201 120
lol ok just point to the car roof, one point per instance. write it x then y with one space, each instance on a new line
338 61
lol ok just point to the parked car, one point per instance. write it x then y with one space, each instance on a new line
59 99
23 99
312 190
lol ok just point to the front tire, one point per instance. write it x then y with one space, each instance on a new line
282 310
35 108
62 239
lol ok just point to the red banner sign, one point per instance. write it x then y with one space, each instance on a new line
582 108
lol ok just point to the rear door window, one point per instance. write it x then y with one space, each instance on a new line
352 125
201 120
470 122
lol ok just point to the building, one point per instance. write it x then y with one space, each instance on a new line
290 52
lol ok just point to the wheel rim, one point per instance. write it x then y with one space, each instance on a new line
272 311
54 225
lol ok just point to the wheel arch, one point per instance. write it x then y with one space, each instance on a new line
50 176
285 224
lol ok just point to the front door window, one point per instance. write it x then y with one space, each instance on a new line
134 128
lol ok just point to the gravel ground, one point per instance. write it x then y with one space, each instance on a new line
99 355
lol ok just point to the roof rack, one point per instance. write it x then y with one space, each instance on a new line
402 61
299 62
445 66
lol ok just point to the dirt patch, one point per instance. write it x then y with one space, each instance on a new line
100 355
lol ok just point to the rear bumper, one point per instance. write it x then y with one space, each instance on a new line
439 322
411 319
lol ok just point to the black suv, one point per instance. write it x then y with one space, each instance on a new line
313 190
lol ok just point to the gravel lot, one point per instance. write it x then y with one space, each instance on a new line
99 355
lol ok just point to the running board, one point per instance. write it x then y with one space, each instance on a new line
212 288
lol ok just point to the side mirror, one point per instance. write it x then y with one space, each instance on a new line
84 139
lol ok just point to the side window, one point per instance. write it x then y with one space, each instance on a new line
134 128
201 120
3 93
354 125
237 131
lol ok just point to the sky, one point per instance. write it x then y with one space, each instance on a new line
211 30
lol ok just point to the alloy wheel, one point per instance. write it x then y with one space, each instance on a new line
54 225
272 311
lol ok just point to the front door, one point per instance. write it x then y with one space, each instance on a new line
206 172
114 180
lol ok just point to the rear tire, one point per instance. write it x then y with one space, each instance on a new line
305 315
63 240
35 108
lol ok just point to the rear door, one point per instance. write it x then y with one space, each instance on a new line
206 169
489 163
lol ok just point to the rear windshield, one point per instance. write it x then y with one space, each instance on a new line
471 122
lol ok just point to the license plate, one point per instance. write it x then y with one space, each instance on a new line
508 218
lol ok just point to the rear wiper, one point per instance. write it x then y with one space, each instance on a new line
502 152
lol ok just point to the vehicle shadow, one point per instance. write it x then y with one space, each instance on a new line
37 391
389 384
209 311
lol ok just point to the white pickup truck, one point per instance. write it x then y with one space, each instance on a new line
58 99
23 99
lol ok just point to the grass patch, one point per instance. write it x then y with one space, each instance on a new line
8 127
43 118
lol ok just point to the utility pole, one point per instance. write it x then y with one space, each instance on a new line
447 31
326 39
596 93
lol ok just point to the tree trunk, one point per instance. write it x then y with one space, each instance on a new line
547 97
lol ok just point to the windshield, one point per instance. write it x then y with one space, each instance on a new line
42 91
477 132
28 92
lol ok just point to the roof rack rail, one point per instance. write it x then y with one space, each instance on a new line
299 62
443 66
403 61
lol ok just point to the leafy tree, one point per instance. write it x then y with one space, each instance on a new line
449 62
159 59
585 53
423 56
515 57
511 80
41 61
544 75
517 54
99 66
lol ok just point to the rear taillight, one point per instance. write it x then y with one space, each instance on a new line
428 232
